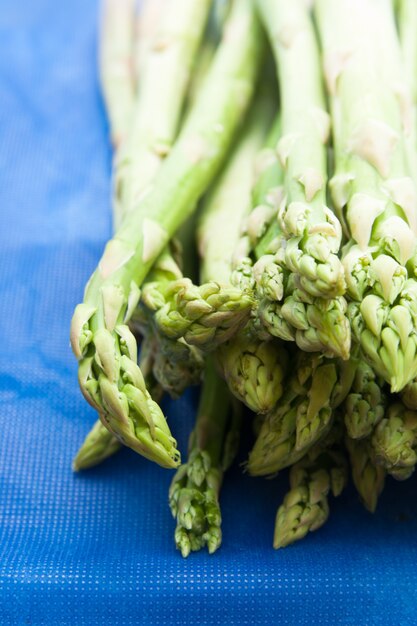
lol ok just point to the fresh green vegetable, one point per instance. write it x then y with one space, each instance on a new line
305 507
313 233
394 441
371 186
369 478
314 388
194 491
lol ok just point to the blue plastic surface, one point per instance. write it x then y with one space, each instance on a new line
98 548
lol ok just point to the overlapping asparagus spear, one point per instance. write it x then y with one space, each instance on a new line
368 477
313 390
372 187
312 231
194 491
364 406
284 310
305 507
100 443
394 441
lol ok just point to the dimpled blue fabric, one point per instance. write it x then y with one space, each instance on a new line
98 548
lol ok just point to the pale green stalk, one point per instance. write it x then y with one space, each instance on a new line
407 22
109 376
162 90
372 186
116 65
312 231
148 20
209 314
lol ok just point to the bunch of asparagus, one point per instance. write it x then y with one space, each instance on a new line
265 246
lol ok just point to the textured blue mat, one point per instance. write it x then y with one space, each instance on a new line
98 549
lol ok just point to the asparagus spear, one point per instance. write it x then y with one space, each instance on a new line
371 186
254 370
109 377
394 441
205 315
368 478
305 507
364 407
209 314
303 415
162 89
177 365
194 491
100 444
97 446
116 65
312 231
284 311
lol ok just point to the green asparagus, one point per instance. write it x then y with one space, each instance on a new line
369 478
194 491
305 507
303 415
394 441
313 233
371 183
364 407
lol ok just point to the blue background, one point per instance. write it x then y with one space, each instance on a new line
98 548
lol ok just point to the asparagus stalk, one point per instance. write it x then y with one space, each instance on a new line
164 81
284 311
209 314
303 416
364 407
148 19
194 491
109 377
305 507
371 186
368 478
116 65
394 441
252 369
312 231
407 22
